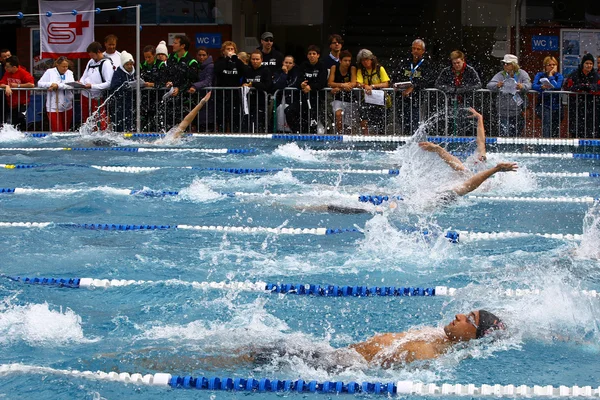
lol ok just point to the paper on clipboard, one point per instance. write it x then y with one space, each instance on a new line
376 97
245 91
403 85
76 85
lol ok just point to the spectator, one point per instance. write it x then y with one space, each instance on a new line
548 107
206 75
458 81
122 86
4 54
110 45
182 72
581 111
244 57
97 76
335 46
370 76
258 77
149 68
511 84
15 77
59 99
312 78
287 77
342 79
272 59
162 53
229 71
150 73
417 70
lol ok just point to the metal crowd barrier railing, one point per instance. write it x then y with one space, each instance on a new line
550 114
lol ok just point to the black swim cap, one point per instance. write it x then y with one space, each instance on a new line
488 323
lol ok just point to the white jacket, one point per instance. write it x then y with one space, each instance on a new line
99 81
57 100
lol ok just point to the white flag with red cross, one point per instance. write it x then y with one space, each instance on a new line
66 32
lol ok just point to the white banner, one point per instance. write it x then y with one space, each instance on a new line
66 34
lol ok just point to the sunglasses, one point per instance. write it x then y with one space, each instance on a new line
269 39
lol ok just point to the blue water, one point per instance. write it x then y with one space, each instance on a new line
171 326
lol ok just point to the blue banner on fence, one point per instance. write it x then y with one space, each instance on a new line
544 43
209 40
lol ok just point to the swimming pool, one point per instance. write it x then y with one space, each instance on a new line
171 325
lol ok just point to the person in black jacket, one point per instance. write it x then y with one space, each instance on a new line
258 78
458 81
285 86
272 59
182 72
229 71
302 115
581 106
418 70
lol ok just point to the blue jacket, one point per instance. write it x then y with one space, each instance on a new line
547 99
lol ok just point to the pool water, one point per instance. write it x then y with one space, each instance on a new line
171 325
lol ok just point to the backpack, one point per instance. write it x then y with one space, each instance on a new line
99 66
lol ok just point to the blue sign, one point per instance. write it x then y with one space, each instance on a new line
208 40
544 43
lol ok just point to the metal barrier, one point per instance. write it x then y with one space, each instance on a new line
550 114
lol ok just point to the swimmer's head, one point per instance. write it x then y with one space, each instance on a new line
474 325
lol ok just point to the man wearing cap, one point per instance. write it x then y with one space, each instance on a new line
272 59
385 350
584 80
511 84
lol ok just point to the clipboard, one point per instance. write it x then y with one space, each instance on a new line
76 85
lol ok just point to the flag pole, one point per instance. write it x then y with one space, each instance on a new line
138 93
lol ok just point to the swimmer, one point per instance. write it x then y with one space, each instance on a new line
178 132
386 350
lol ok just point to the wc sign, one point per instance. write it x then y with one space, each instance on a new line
544 43
208 40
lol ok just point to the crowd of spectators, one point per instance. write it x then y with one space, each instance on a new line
256 77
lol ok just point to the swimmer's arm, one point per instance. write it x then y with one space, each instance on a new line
476 180
191 115
481 151
451 160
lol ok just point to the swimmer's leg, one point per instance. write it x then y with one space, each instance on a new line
476 180
451 160
191 115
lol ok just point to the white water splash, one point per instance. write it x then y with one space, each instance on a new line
293 152
199 191
37 325
590 243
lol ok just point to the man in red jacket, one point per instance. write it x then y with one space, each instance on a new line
15 101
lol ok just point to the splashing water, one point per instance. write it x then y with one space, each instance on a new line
37 325
294 152
590 243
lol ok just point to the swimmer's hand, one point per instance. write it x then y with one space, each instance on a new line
474 113
506 167
428 146
206 98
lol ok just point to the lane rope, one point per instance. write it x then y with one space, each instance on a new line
236 384
326 290
454 236
131 149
